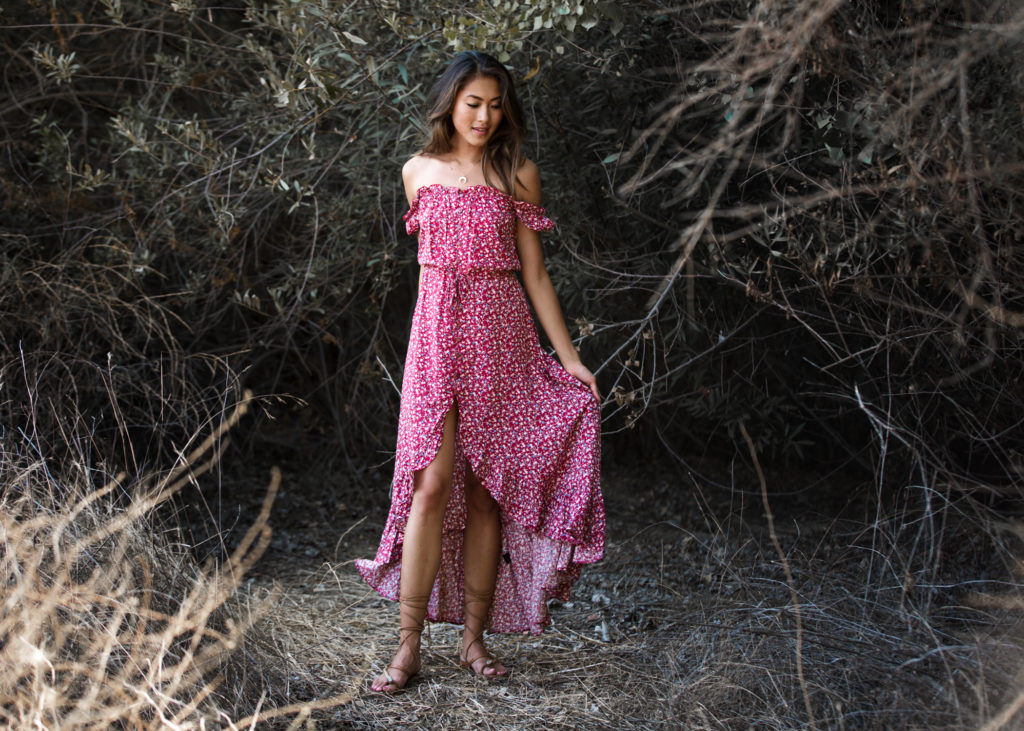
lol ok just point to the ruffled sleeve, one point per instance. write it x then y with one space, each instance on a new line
411 217
533 216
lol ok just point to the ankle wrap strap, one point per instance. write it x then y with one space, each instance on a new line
478 597
412 610
478 604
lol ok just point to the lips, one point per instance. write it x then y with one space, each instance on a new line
480 130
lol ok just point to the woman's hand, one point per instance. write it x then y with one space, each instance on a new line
583 374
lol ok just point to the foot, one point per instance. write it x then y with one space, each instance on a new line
404 665
476 657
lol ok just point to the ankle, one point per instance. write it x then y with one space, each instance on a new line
409 637
472 644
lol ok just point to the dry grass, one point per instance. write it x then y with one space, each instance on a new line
106 620
687 623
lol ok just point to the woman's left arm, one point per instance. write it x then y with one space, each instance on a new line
538 285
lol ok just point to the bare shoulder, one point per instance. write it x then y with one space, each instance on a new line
528 182
416 166
415 172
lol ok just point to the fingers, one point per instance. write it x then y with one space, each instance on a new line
584 376
591 382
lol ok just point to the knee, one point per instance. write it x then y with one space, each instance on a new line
430 494
478 500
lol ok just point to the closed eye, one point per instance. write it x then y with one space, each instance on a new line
474 102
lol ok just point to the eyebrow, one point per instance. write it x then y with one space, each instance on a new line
474 96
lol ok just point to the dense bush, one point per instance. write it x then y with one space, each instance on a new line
224 180
798 216
855 171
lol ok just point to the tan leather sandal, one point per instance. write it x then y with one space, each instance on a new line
478 665
418 605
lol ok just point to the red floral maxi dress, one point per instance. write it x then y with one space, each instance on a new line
529 430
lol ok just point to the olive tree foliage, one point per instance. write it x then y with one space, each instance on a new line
220 181
801 217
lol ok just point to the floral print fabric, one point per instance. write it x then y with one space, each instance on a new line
529 430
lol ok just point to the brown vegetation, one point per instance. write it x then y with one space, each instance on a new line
790 233
105 623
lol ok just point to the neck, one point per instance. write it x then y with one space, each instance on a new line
465 154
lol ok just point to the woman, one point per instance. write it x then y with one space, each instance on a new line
496 498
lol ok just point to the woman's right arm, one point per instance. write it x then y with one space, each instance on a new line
410 173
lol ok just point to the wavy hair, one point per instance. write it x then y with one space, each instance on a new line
503 153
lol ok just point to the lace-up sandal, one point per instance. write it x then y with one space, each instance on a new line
418 607
479 665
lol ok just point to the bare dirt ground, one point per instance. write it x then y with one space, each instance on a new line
688 622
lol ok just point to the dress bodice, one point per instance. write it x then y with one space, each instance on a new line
470 228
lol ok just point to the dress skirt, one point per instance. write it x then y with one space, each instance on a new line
531 434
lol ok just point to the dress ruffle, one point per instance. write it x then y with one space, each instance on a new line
534 216
411 217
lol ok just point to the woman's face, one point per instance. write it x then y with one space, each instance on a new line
477 111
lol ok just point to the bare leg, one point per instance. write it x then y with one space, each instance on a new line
421 557
481 552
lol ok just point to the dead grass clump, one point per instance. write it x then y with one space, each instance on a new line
106 620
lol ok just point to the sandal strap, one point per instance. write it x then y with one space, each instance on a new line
409 628
412 610
477 600
481 607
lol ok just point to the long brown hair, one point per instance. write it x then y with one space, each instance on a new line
503 153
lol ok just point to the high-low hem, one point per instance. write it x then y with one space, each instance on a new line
562 561
538 562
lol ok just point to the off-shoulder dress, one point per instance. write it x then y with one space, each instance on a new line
529 430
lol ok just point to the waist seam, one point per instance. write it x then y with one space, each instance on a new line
480 271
